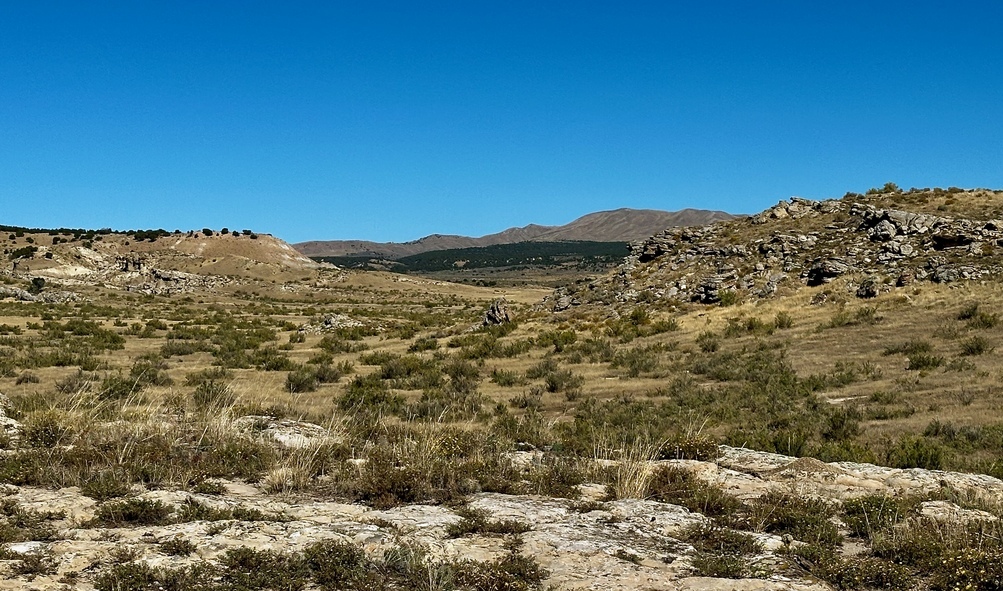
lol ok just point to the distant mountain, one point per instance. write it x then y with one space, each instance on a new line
620 225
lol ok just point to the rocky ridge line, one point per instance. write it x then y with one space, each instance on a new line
809 242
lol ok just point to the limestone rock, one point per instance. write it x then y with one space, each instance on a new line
498 313
824 271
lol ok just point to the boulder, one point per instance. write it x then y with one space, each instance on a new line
825 270
869 288
498 313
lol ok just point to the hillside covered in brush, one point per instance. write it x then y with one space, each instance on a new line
875 243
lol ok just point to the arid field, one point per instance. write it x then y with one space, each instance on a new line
186 411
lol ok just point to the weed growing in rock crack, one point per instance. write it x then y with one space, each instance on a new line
679 486
721 552
131 512
332 565
511 572
805 519
177 546
106 484
18 524
34 564
477 521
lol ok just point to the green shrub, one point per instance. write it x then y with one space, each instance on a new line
271 359
541 369
563 381
117 387
708 342
177 546
559 340
335 345
806 519
911 347
45 430
874 514
983 320
19 524
150 372
916 452
106 484
721 552
924 361
506 378
33 564
301 380
511 572
477 521
596 350
26 377
679 486
213 394
690 447
976 345
727 297
246 568
131 512
423 344
370 393
638 360
339 565
969 311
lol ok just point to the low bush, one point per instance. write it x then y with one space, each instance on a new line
721 552
477 521
131 512
924 361
679 486
976 345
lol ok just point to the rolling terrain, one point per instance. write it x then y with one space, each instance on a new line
621 225
804 399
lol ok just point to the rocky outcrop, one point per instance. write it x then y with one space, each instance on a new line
163 282
562 300
627 544
498 313
876 248
824 271
50 297
331 322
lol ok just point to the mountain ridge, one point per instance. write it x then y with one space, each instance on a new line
618 225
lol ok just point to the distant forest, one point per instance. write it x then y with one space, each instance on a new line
520 254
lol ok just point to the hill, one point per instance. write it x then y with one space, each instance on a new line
872 243
621 225
151 261
804 400
577 255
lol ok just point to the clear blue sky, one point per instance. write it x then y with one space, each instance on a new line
393 120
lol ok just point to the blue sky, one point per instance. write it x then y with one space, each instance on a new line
393 120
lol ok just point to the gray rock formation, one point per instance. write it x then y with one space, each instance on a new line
581 547
816 241
498 313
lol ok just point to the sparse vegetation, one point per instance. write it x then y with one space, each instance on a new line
173 411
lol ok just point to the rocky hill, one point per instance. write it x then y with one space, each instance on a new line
878 242
621 225
153 262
